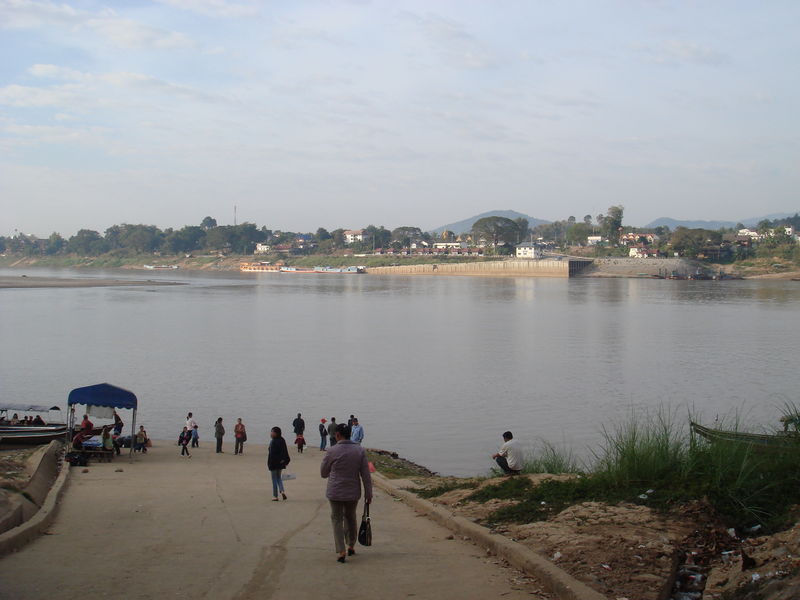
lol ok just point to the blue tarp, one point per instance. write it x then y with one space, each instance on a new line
103 394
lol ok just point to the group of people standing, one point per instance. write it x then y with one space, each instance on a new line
327 432
190 435
344 465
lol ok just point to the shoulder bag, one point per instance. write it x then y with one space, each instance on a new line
365 531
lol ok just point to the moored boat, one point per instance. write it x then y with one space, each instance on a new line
778 440
151 267
259 267
29 434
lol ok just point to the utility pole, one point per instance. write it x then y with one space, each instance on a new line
234 215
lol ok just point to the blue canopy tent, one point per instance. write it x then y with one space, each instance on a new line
103 394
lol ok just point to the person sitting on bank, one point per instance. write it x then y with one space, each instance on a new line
510 457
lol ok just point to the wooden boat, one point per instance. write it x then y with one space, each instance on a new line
152 267
259 267
777 440
29 434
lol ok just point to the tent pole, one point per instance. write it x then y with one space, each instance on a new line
133 434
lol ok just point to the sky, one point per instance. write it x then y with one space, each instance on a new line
343 114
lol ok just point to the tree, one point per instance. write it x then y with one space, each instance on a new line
495 230
208 223
578 233
571 220
587 219
87 242
613 222
380 237
55 244
322 235
337 235
523 228
406 235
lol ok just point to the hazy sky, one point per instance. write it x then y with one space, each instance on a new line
343 114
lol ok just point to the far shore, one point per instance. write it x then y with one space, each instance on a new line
604 267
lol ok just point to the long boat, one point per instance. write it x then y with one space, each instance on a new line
259 267
152 267
29 434
781 439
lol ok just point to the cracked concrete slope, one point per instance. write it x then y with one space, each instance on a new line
205 527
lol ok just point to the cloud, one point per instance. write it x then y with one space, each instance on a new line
127 33
215 8
451 41
27 96
675 52
26 14
121 32
83 89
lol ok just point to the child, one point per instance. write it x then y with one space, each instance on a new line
300 442
183 440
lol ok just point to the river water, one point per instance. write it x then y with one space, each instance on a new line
435 367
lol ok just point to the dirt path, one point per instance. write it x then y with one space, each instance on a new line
168 527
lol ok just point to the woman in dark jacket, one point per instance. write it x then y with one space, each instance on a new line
277 460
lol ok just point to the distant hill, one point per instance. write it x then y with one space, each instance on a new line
673 223
466 225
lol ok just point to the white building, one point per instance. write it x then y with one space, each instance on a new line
262 249
351 236
593 240
450 245
528 250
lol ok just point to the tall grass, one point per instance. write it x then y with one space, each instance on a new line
552 459
654 459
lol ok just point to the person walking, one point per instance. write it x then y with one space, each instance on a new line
219 433
332 432
240 435
277 460
510 457
346 467
323 435
299 425
356 432
183 441
194 430
141 440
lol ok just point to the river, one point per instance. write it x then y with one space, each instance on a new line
436 368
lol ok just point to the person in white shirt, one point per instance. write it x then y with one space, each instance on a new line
510 457
191 426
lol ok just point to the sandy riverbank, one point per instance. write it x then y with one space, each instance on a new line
166 526
25 281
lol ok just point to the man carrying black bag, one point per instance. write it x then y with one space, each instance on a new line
345 466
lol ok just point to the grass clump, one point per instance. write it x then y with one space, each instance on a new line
444 487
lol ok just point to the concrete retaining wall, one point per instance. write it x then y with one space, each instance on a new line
555 579
39 487
498 268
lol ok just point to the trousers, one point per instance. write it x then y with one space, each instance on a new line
239 446
345 523
277 482
503 464
219 445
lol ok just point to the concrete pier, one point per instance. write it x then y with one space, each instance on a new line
499 268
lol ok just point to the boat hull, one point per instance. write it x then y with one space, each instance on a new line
24 436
